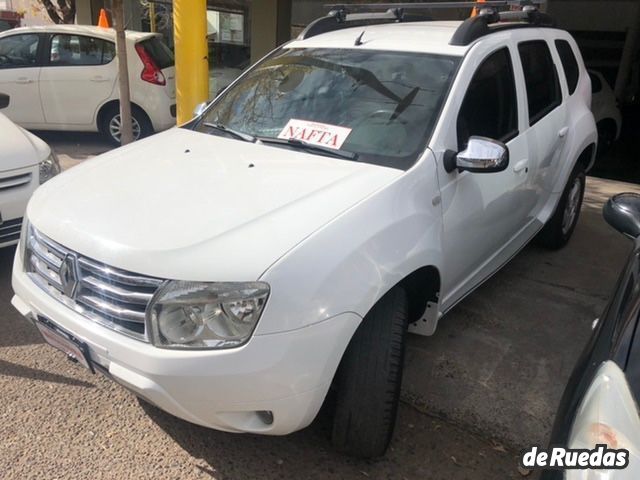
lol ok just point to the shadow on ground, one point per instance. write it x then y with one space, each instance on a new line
422 447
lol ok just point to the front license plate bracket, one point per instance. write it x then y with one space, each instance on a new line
57 337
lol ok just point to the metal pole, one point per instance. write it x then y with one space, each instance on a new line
192 66
126 133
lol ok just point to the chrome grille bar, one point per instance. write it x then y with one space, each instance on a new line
45 272
10 230
15 181
53 262
112 297
118 276
102 305
116 293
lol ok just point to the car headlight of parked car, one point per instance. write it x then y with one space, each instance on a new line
49 168
607 415
203 315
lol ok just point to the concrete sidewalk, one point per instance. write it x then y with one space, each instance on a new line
499 361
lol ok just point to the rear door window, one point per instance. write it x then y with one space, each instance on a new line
75 50
541 79
159 52
569 64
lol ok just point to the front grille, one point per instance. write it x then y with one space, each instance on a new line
15 181
114 298
10 230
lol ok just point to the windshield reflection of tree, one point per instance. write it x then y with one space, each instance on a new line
390 107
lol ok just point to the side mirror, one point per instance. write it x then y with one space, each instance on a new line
200 108
4 100
482 155
622 212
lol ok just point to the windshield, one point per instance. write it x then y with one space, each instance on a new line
381 106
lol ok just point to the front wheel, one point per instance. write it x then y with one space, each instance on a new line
557 232
369 378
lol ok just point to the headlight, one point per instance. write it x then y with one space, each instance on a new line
607 416
205 315
49 168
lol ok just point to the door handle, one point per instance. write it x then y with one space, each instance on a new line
24 80
521 165
563 132
99 78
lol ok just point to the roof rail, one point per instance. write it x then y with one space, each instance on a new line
357 15
340 18
489 20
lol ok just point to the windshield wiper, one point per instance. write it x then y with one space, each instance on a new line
234 133
310 147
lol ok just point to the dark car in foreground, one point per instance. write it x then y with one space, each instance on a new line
599 405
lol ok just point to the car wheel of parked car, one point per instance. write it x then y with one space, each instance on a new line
369 377
111 124
557 232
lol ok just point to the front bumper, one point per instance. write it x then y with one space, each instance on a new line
287 374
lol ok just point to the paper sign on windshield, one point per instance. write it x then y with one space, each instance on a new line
330 136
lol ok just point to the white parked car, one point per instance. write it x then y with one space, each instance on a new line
64 77
25 163
605 111
356 183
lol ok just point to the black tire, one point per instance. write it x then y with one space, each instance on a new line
556 233
369 378
112 113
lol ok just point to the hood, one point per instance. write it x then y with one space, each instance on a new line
190 206
20 148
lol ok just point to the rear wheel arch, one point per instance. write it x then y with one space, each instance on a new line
111 107
113 103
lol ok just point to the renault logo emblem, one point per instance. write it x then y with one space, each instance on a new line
68 277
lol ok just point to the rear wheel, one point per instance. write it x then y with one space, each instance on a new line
111 124
557 232
369 379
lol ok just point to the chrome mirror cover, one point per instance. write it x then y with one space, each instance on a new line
483 155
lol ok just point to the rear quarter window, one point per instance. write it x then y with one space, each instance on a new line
569 64
159 52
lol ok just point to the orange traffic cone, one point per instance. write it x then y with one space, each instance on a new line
475 10
103 21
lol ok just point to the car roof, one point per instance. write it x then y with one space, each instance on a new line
428 37
99 32
424 37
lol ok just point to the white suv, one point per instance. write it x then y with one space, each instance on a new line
64 77
354 184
